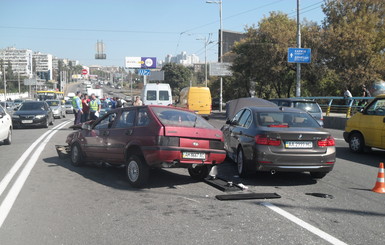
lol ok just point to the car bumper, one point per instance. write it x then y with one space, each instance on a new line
173 156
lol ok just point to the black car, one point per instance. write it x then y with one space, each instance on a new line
278 139
33 113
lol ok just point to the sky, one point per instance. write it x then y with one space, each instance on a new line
135 28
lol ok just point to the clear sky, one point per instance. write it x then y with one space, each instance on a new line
147 28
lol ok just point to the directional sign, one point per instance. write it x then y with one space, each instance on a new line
144 72
299 55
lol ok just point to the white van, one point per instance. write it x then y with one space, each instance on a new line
157 94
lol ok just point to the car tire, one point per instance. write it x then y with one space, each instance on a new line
356 143
137 171
8 140
52 121
241 165
46 125
77 159
317 175
199 172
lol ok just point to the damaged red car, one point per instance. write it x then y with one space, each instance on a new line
147 137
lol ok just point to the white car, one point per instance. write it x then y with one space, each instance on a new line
5 127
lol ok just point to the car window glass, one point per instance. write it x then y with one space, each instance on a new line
106 122
377 108
235 119
307 106
244 118
151 95
143 118
163 95
126 120
175 117
271 119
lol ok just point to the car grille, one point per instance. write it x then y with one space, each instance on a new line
27 116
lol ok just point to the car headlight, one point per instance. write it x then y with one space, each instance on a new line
15 116
40 116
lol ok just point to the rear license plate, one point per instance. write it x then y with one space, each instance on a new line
27 121
194 155
299 144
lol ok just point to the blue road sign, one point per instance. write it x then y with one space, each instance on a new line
299 55
144 72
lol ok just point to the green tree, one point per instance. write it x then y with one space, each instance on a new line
355 40
178 76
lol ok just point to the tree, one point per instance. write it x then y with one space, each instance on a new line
355 40
178 76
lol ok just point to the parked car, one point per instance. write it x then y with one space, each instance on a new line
309 106
365 129
68 107
5 126
278 139
57 107
215 104
33 113
147 137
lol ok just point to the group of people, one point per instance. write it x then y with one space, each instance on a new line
364 93
86 108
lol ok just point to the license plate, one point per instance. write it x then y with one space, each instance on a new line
299 144
194 155
27 121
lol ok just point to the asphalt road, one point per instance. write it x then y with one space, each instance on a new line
61 204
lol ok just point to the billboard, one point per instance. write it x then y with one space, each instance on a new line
140 62
220 69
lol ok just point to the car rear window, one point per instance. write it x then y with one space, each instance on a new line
151 94
286 119
163 95
311 107
174 117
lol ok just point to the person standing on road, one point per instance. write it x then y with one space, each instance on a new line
78 109
364 93
95 107
86 108
348 96
137 101
113 103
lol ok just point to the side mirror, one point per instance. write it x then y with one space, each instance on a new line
228 121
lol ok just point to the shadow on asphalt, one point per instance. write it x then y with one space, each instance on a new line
372 158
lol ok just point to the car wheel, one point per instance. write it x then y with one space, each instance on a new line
137 171
76 155
63 115
356 143
317 175
46 125
52 121
8 140
242 168
199 172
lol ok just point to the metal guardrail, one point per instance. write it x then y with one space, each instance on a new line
347 106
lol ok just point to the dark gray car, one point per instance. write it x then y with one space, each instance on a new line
278 139
33 113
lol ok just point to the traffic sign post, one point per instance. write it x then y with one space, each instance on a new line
299 55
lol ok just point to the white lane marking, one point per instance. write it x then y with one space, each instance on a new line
10 199
304 224
8 177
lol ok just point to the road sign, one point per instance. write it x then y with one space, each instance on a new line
156 76
84 72
144 72
299 55
220 69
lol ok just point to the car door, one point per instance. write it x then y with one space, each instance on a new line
95 140
240 132
231 142
372 124
3 124
120 134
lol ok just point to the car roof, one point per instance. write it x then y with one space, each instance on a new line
275 109
294 100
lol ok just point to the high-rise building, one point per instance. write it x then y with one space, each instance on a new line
20 60
43 65
182 58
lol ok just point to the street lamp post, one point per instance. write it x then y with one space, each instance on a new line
207 42
220 49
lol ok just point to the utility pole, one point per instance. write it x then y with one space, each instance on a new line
298 87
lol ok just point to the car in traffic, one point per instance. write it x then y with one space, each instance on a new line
5 127
57 107
106 106
33 113
310 106
365 129
271 139
8 105
18 102
68 107
145 137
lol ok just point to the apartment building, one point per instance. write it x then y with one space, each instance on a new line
43 65
20 59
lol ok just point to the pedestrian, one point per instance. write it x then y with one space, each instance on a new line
77 105
347 96
95 107
364 93
137 101
113 103
86 108
119 103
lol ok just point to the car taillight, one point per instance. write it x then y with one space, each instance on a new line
167 141
329 141
264 140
